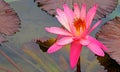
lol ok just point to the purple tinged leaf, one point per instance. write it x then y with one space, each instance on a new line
104 6
109 35
9 21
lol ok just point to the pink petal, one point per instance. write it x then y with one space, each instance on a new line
83 12
97 42
75 51
65 40
57 30
83 16
54 48
62 18
94 26
76 11
59 37
95 49
70 16
69 13
90 15
59 12
85 41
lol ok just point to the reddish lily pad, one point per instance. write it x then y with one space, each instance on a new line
9 21
104 6
110 36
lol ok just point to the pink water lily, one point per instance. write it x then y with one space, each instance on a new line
75 31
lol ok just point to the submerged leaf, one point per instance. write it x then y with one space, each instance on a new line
9 21
110 36
56 62
45 44
104 6
11 61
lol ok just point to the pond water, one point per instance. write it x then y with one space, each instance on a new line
26 56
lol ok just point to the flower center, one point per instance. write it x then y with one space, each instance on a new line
80 26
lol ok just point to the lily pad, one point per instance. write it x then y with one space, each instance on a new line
9 20
104 6
110 36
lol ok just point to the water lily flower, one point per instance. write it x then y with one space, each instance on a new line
75 31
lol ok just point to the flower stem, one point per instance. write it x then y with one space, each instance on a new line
78 66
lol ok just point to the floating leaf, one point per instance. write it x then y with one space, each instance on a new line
104 6
110 36
45 44
9 21
109 64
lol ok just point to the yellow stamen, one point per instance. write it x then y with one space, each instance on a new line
80 25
